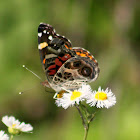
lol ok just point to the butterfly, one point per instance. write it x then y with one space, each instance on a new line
66 67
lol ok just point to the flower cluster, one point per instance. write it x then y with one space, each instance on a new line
15 127
3 136
100 99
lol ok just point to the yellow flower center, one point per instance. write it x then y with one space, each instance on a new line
101 96
13 125
75 94
12 130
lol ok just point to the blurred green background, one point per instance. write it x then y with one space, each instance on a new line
110 30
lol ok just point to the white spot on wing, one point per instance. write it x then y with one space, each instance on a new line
57 34
69 40
44 31
54 30
39 47
48 33
39 34
50 37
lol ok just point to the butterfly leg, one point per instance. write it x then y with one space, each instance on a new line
45 84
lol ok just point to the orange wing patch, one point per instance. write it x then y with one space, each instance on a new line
44 60
84 54
68 47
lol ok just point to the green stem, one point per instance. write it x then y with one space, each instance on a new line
84 121
86 117
84 108
81 115
11 138
86 132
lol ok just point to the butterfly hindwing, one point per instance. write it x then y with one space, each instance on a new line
77 70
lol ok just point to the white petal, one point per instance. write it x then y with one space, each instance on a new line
99 89
16 123
3 136
8 121
26 127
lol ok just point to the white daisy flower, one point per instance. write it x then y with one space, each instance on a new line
15 126
3 136
72 97
101 98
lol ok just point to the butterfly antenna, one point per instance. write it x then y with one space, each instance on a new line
31 72
21 92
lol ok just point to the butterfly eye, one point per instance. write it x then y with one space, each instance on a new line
77 63
86 71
